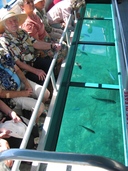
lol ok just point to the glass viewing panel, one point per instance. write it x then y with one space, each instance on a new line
98 11
95 64
92 123
97 31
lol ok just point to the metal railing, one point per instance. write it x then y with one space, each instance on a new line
65 158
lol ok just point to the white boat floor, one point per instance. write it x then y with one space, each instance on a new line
64 167
25 167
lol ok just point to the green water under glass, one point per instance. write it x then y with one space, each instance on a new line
92 122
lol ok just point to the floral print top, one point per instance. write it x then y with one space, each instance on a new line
20 47
8 77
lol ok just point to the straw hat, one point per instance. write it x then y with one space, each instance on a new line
21 18
36 1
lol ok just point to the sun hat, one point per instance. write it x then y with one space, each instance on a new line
8 14
36 1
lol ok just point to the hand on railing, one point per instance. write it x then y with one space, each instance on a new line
56 46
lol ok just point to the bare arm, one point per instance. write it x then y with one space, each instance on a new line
25 66
23 93
39 72
46 46
22 77
36 36
42 45
8 111
11 94
4 108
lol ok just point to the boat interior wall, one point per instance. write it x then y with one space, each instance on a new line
122 46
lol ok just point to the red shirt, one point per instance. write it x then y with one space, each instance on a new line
34 27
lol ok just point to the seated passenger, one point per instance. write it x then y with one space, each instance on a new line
8 114
40 11
22 47
36 28
60 12
13 84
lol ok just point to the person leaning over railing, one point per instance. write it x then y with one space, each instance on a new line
22 47
58 14
40 11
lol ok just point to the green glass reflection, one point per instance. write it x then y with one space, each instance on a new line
98 110
98 11
95 64
91 122
97 31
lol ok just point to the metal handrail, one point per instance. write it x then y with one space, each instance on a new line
65 158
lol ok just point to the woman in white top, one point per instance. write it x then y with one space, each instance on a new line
60 12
